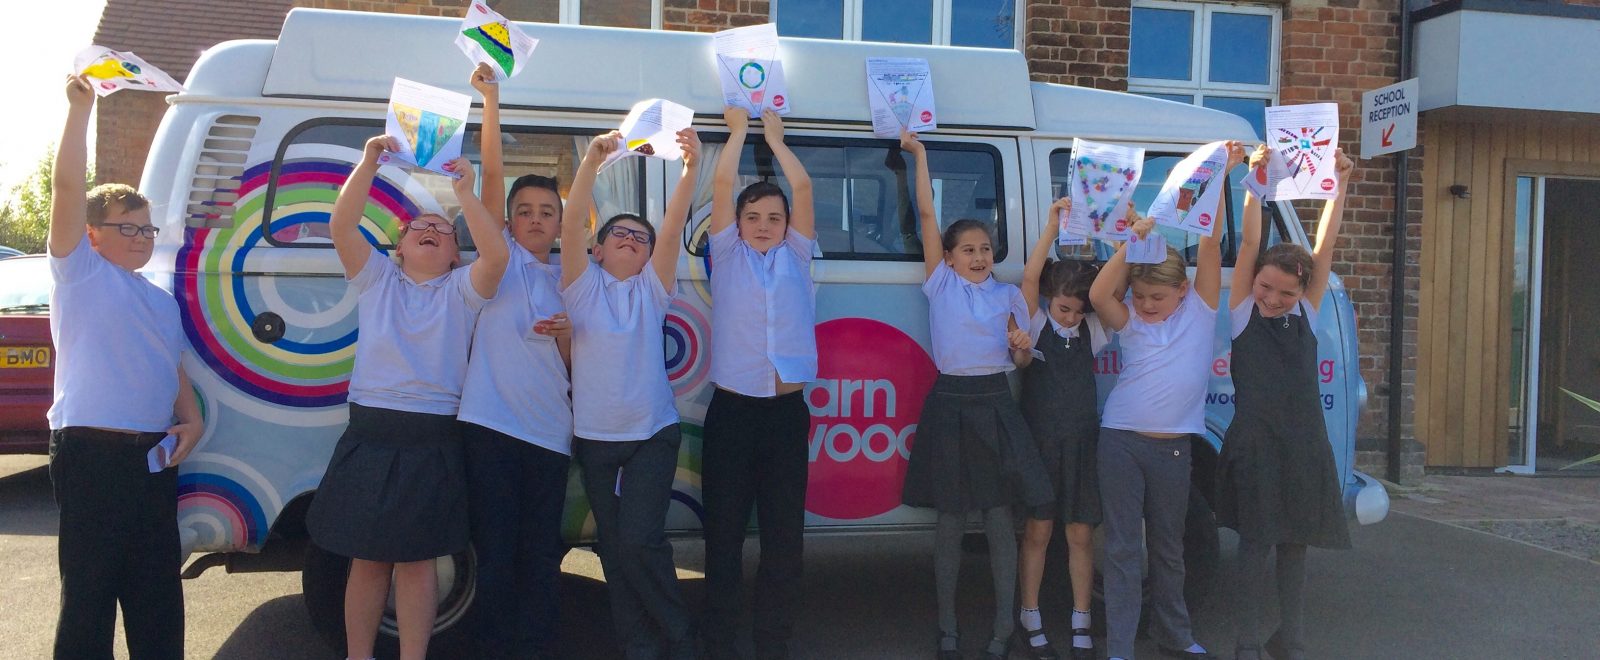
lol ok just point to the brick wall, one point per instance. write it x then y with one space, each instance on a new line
417 7
125 122
1078 42
1333 50
713 15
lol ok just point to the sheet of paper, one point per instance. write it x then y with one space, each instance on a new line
1302 139
161 454
900 93
428 122
486 36
1188 199
1151 249
110 71
749 69
651 129
1064 236
1101 181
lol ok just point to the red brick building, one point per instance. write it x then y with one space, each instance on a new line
1237 57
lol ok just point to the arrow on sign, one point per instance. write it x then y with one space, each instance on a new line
1386 133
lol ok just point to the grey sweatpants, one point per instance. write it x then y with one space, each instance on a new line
1144 490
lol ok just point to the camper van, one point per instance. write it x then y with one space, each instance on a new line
248 161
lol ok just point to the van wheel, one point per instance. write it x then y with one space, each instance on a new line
322 581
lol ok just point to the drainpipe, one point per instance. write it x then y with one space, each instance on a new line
1397 278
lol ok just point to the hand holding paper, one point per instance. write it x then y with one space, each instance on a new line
1304 137
1147 249
488 38
651 129
749 69
109 71
427 124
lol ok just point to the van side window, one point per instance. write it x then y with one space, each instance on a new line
317 156
1156 168
865 208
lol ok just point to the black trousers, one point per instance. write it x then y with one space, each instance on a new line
629 487
516 493
755 455
118 545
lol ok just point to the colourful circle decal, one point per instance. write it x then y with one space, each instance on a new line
688 352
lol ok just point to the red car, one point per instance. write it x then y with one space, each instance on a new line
27 356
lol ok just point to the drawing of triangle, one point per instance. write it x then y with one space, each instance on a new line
495 38
443 129
409 118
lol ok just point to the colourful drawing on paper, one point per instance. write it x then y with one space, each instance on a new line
1195 186
426 132
110 71
108 67
1301 149
1102 185
495 39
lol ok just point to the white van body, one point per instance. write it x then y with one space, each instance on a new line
248 160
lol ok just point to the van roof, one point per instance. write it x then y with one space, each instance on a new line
355 55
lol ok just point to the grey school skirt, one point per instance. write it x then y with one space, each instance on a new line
395 489
973 450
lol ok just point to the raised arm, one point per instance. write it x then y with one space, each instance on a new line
1244 266
493 253
927 219
802 216
1106 294
493 164
669 236
580 199
68 210
1208 263
1328 234
1034 269
727 172
344 224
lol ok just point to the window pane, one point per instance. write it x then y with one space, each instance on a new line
823 19
615 13
1254 110
27 282
317 160
1162 44
1156 170
1181 98
896 20
542 11
1241 48
863 202
983 23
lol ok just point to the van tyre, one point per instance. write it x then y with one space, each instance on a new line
322 582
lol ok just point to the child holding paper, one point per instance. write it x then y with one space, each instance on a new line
1166 328
119 384
973 452
756 450
1060 403
517 417
624 414
1277 481
394 495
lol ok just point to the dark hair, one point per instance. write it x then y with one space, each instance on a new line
1069 278
100 198
600 236
952 234
758 191
1289 258
534 181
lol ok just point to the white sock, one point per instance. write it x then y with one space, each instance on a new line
1195 648
1081 620
1031 620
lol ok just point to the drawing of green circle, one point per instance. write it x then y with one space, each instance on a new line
759 70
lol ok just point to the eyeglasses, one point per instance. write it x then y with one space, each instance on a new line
444 228
130 230
638 236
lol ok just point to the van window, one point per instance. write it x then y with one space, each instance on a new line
862 195
1156 168
317 156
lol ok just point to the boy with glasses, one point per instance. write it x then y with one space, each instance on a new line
118 387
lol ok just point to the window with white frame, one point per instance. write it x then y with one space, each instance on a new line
1221 56
978 23
643 14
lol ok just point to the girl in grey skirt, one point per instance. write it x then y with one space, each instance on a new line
973 452
1166 329
393 497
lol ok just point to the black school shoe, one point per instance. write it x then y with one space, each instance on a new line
949 654
1081 653
1022 638
1281 651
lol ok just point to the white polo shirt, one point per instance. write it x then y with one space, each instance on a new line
1166 368
412 351
763 314
118 341
968 322
516 381
619 366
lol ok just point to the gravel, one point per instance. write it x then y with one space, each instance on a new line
1573 538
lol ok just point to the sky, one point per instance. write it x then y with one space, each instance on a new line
39 38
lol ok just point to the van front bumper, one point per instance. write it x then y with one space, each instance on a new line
1365 499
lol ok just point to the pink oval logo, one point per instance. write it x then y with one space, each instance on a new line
777 100
926 116
871 382
1327 185
1205 219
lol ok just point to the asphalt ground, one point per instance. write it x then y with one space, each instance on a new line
1410 588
